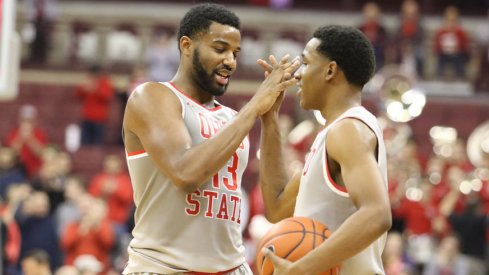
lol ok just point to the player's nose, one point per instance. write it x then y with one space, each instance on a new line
230 62
298 73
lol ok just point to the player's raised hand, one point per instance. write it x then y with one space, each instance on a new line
268 67
277 81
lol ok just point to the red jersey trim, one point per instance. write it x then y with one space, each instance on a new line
135 153
338 187
335 185
193 100
216 273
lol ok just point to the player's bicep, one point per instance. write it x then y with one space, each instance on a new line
353 145
155 117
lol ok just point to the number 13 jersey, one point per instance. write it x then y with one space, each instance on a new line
175 231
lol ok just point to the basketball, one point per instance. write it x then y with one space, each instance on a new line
291 239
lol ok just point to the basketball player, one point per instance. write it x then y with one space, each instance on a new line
186 153
344 182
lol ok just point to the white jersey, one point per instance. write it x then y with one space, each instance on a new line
321 199
178 232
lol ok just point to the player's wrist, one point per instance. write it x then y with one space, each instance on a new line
270 116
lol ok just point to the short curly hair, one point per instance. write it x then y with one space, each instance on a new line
198 19
350 49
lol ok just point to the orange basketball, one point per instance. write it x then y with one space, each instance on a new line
291 239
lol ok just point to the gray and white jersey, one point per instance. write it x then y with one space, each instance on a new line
321 199
178 232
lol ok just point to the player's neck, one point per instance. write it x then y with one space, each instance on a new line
339 102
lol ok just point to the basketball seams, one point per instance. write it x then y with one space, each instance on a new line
275 236
295 245
291 232
298 243
264 241
314 235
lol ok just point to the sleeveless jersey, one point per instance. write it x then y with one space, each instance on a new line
175 231
321 199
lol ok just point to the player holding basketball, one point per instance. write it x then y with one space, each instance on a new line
186 153
344 181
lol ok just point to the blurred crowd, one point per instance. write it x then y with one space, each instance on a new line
53 219
446 50
411 45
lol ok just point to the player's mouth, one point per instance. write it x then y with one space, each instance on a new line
222 77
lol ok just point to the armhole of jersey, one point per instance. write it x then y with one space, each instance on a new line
136 154
338 189
177 95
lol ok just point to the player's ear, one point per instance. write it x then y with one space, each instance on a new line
185 45
331 70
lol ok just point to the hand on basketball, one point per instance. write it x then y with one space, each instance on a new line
280 266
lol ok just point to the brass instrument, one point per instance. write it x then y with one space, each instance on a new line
402 100
478 146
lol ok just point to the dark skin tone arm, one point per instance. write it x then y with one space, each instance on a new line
279 192
153 122
352 145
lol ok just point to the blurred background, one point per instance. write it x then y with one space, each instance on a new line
67 68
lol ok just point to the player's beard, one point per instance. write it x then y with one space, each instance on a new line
205 80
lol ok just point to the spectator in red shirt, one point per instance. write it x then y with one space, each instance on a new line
420 214
451 44
28 140
96 93
92 234
114 186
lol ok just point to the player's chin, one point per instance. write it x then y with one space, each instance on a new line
220 89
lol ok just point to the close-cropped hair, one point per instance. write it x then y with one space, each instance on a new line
350 49
198 19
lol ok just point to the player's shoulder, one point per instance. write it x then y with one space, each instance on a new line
350 128
152 98
150 93
149 88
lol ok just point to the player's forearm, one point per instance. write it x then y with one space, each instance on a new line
354 235
273 175
202 161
